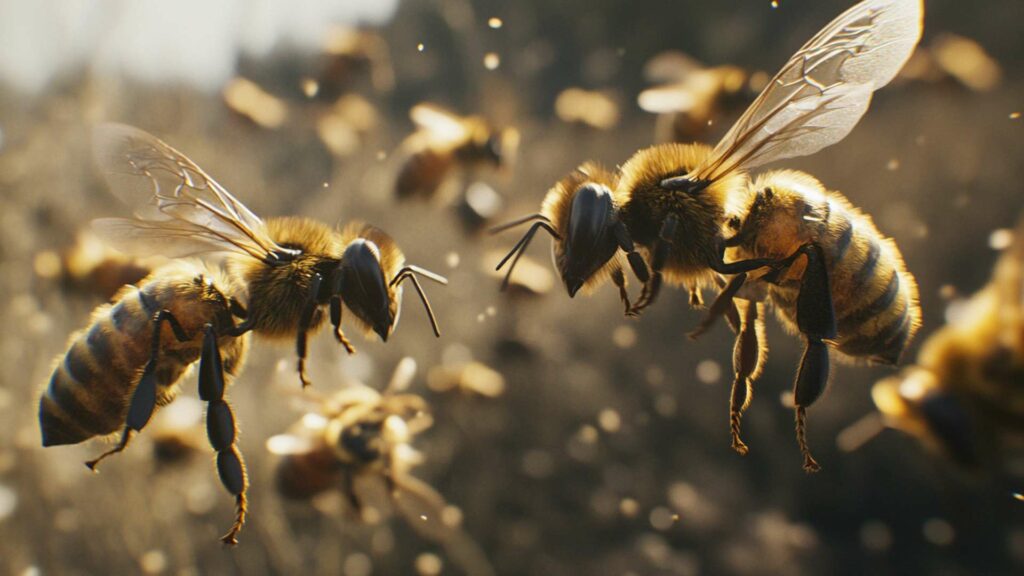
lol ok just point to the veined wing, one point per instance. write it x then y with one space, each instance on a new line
823 90
179 209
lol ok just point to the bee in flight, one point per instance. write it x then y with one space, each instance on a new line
446 142
280 274
698 217
359 440
963 398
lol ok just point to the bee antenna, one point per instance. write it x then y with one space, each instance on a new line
521 246
518 221
411 272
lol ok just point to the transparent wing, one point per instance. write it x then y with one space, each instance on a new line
179 209
824 89
442 124
289 445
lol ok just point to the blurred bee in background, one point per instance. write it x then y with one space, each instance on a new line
279 275
592 108
691 98
359 441
964 398
954 59
348 54
176 431
91 266
444 143
831 274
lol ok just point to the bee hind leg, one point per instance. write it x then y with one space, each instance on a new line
304 322
144 398
722 306
221 429
816 320
748 358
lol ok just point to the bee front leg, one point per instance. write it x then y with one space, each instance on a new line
304 321
723 305
221 430
143 401
336 322
619 279
636 262
661 251
816 320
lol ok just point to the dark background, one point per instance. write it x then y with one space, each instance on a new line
535 495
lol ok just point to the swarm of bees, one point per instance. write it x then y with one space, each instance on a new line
278 276
359 441
446 142
691 215
963 398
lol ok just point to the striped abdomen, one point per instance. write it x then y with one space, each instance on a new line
92 383
875 298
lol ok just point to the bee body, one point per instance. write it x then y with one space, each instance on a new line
89 391
874 296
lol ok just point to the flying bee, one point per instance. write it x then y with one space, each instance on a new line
445 142
695 97
360 441
279 275
674 202
963 398
131 358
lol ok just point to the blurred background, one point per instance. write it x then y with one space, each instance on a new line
606 450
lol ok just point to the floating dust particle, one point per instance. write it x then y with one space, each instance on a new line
491 311
875 536
661 518
786 399
947 292
775 4
381 155
495 23
31 571
582 446
1014 115
153 561
310 87
665 405
609 420
893 165
1000 239
372 515
1018 496
481 317
420 47
710 122
492 61
629 507
538 464
452 260
200 498
326 184
938 532
357 564
451 516
709 371
655 375
47 264
8 502
428 564
624 336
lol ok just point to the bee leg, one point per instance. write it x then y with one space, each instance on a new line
349 491
221 429
747 359
143 400
722 305
636 262
619 279
336 322
696 297
661 252
816 320
304 321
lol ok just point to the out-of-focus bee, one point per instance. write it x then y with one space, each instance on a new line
89 265
280 274
249 100
471 378
830 273
694 97
445 142
349 53
591 108
359 441
964 398
176 431
950 58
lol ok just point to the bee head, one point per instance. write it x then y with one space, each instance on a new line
362 441
364 289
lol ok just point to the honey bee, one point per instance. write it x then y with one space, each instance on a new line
279 275
360 439
963 398
822 259
445 142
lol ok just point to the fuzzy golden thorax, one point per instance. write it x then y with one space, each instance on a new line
277 293
557 207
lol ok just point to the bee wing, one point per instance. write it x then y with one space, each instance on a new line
290 445
442 124
666 99
824 89
402 377
179 209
